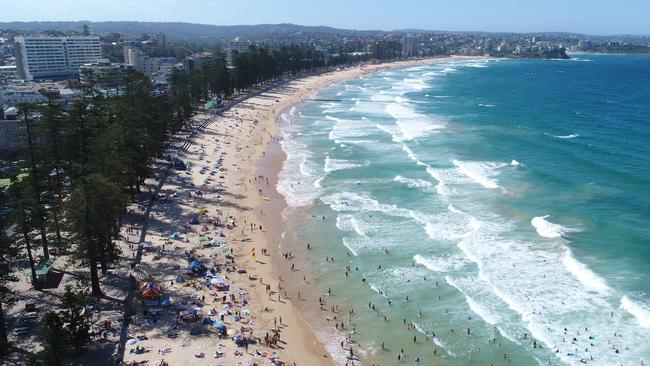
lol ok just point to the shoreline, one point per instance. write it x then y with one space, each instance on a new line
270 164
222 210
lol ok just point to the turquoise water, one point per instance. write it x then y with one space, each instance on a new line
508 197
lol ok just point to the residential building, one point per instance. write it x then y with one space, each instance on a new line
11 133
43 57
236 46
194 62
12 95
105 74
140 62
409 46
161 39
8 73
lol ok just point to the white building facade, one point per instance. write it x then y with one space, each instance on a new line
41 57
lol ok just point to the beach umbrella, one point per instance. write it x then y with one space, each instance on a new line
132 341
203 239
149 293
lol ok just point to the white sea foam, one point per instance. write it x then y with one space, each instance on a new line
401 100
413 183
304 169
476 307
486 105
350 130
351 201
332 165
296 180
285 118
571 136
317 182
482 173
566 137
583 274
409 152
412 124
522 285
438 175
440 264
548 229
515 163
548 295
347 222
640 312
351 248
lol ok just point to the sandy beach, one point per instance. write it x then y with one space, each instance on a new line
221 213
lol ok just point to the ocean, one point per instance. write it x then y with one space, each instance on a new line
501 204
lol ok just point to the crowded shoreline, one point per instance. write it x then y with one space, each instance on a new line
223 217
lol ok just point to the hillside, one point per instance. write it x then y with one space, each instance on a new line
178 31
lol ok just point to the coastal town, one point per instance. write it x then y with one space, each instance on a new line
140 218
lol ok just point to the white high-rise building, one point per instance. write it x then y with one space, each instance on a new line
236 46
409 46
40 57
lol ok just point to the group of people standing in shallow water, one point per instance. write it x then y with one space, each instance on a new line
348 325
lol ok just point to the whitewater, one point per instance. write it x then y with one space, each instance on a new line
451 207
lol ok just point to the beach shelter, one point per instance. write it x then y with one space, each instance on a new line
151 290
203 239
180 279
176 235
207 321
216 280
166 303
195 329
194 221
196 266
202 210
221 327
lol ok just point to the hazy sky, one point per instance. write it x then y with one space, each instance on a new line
586 16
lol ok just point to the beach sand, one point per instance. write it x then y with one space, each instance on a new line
240 190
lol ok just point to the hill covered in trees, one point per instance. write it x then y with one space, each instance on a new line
178 31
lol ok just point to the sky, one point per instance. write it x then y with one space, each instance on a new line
603 17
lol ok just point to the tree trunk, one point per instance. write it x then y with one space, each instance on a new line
30 258
96 291
3 332
55 208
46 250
